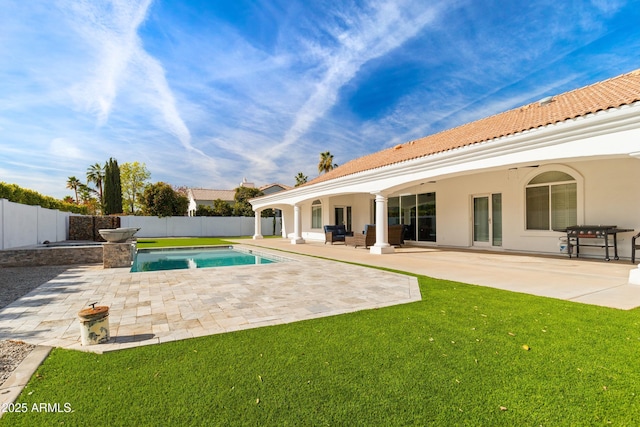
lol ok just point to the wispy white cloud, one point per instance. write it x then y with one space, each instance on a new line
122 64
66 148
368 36
280 97
111 28
608 7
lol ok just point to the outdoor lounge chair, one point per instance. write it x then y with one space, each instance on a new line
634 245
368 237
396 235
335 233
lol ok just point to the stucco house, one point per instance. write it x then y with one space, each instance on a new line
274 188
505 182
206 197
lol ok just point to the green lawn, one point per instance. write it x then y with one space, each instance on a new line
454 358
163 242
144 242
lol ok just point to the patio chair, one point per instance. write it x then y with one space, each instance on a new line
396 235
368 236
634 245
335 233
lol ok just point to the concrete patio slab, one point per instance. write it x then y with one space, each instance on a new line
589 281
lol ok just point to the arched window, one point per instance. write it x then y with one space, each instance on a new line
551 201
316 214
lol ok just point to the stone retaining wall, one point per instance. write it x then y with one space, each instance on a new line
86 227
51 256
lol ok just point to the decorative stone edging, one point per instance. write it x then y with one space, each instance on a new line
51 256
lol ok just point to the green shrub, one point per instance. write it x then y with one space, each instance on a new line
17 194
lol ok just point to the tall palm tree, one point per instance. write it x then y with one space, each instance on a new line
74 183
326 162
95 174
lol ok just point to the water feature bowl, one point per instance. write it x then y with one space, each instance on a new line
117 235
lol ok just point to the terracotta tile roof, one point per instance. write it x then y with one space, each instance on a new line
612 93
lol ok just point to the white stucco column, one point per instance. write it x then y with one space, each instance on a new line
382 245
258 224
297 226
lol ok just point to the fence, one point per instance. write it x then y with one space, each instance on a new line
24 225
200 226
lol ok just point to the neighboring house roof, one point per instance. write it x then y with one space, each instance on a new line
611 93
206 194
274 188
229 195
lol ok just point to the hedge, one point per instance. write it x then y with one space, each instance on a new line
17 194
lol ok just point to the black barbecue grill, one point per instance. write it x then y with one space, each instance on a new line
577 233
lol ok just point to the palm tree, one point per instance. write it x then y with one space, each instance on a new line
95 174
74 183
326 162
301 179
84 191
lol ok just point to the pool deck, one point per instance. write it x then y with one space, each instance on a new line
156 307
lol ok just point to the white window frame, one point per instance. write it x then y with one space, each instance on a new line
579 181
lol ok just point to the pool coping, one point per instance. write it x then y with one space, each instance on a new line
242 249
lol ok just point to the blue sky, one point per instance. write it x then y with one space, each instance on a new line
208 92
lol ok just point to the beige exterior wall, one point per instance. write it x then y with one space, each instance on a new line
607 194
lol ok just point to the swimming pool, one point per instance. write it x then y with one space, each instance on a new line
197 257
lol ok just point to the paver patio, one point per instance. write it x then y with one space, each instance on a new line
154 307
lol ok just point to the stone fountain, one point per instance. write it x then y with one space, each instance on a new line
118 235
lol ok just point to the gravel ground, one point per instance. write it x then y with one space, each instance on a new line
14 283
18 281
11 354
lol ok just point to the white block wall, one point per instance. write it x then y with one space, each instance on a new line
24 225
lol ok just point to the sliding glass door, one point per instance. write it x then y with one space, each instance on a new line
427 217
417 212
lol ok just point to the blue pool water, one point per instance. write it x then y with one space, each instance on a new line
183 258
